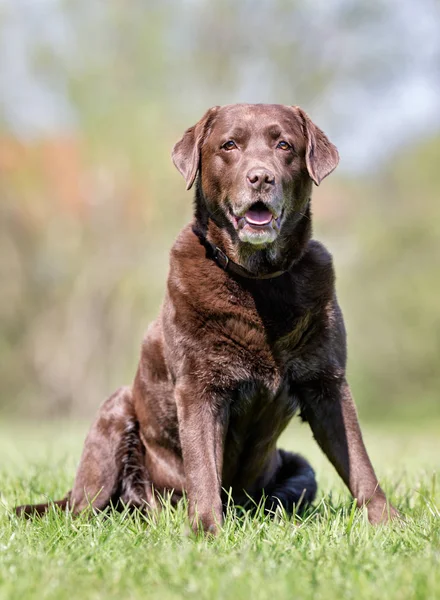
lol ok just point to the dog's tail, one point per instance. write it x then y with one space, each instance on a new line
294 486
32 510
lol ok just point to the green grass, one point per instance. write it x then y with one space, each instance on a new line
333 554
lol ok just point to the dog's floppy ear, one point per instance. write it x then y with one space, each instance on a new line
186 153
321 155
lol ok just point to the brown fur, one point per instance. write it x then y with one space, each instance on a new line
231 359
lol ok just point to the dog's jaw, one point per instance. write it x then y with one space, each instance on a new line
286 249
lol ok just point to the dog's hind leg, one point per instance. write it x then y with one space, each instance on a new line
293 486
112 466
29 510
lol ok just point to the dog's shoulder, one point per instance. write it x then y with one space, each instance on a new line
188 256
194 281
314 275
186 245
318 264
187 267
317 258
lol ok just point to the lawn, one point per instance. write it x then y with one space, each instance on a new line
332 554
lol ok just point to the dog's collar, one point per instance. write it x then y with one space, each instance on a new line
224 262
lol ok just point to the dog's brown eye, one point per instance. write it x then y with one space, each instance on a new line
284 145
230 145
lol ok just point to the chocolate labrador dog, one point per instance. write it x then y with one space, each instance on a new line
249 333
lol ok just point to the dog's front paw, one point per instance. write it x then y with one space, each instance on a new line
208 522
380 511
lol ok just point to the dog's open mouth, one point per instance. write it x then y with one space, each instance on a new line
258 215
259 224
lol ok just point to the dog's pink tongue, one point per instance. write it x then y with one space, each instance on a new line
258 216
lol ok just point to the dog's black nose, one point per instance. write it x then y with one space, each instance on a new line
259 176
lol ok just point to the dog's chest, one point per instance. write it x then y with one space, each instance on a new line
260 343
259 362
253 402
241 348
257 416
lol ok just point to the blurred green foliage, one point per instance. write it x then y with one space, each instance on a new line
88 214
387 255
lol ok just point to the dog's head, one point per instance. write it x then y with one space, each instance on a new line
256 165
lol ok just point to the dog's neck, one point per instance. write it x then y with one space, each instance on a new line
287 249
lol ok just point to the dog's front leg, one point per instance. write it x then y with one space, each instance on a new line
201 431
331 413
